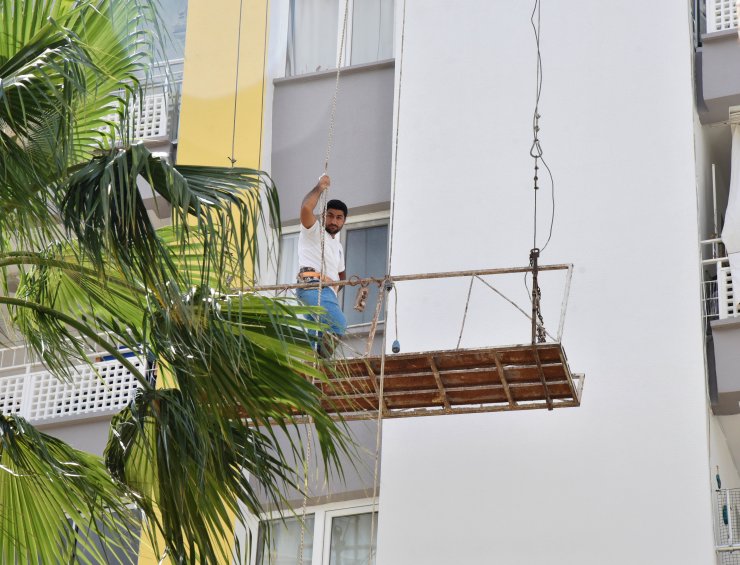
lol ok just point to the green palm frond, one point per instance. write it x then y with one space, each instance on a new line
102 207
230 357
53 499
198 471
67 71
94 273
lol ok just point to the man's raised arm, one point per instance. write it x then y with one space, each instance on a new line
311 199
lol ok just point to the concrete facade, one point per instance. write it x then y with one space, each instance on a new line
624 478
360 162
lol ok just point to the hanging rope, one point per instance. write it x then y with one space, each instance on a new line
330 144
396 344
322 230
232 158
330 139
374 324
535 151
305 494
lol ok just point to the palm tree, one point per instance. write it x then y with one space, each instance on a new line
92 272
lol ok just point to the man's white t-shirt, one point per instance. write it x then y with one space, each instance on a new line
309 251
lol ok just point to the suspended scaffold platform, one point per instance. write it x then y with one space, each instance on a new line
528 376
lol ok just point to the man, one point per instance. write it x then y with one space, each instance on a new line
309 256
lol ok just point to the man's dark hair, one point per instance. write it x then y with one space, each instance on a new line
337 205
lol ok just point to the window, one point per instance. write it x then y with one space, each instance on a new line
285 541
366 255
288 267
349 539
372 31
315 28
365 243
334 534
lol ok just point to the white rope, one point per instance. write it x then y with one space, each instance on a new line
374 324
322 230
329 145
330 139
305 494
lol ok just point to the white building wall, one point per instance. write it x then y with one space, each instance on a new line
624 478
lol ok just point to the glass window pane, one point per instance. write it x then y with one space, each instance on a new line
173 15
372 31
285 542
366 255
288 268
350 540
312 36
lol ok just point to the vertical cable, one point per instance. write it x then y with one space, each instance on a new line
236 82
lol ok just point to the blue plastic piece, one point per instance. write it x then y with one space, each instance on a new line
396 347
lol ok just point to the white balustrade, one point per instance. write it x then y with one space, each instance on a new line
727 304
721 15
150 117
41 397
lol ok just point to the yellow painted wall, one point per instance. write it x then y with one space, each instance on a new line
214 43
210 83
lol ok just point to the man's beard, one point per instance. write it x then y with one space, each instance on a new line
331 230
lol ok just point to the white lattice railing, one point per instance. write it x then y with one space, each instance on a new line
726 302
40 397
721 15
727 526
150 117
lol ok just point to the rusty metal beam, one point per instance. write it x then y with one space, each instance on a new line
504 383
440 385
548 399
416 277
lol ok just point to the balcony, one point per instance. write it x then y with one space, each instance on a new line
722 322
29 390
719 15
717 49
727 526
156 114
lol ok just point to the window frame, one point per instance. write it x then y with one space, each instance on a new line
323 515
345 297
347 54
329 515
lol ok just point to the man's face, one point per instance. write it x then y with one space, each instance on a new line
334 221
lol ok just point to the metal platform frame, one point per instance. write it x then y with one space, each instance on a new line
455 381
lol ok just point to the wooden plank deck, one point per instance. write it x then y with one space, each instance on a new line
459 381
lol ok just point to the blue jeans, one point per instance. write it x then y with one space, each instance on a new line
334 317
